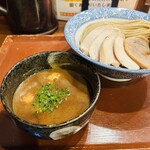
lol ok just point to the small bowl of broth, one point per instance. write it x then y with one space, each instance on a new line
51 95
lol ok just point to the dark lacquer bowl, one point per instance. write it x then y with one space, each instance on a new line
35 63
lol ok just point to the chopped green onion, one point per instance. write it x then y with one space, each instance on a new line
49 97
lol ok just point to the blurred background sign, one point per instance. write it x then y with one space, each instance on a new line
68 8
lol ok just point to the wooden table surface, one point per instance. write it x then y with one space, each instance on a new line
121 119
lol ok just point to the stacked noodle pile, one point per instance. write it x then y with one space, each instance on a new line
121 43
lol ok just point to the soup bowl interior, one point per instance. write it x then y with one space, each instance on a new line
75 27
47 60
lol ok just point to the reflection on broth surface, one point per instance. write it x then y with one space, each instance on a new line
76 102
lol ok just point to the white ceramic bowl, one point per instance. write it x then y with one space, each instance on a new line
77 21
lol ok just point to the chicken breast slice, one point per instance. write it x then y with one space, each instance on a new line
121 54
107 55
91 36
89 28
96 44
81 33
138 49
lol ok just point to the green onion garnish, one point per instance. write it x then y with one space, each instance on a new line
49 97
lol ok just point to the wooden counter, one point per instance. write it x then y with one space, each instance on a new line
121 119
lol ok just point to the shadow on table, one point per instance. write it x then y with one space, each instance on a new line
122 97
123 106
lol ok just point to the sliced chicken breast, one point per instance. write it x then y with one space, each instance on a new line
96 44
107 55
89 28
81 33
121 54
91 36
